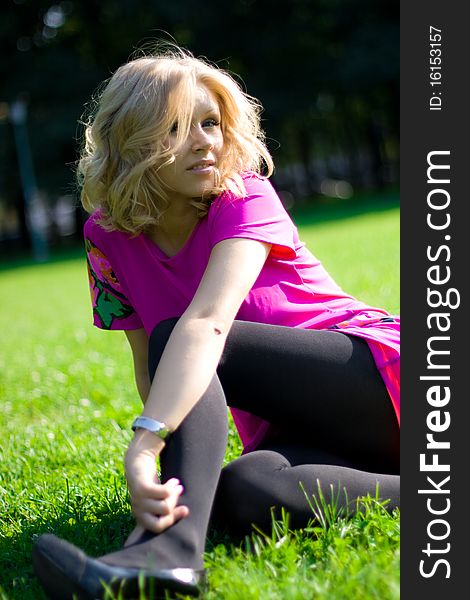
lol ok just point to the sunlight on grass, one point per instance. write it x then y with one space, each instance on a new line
68 399
362 254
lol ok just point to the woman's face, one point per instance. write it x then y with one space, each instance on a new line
193 171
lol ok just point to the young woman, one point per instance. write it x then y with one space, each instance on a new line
192 254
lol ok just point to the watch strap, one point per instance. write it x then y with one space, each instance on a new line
156 427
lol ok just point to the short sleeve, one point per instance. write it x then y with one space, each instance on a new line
259 216
111 308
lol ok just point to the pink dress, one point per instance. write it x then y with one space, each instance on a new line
134 284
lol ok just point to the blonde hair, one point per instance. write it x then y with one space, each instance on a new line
126 140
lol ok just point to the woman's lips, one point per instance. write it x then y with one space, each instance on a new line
202 167
202 170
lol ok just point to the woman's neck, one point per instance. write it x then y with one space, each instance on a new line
174 229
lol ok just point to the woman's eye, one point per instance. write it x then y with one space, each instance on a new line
210 123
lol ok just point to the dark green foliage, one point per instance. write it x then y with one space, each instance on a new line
327 72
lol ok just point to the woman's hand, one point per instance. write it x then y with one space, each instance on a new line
154 504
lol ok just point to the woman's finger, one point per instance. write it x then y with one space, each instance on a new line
174 496
166 521
157 491
158 524
158 507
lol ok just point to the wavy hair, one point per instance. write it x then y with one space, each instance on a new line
126 138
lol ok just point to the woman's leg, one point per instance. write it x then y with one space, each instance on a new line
336 425
194 454
255 487
322 387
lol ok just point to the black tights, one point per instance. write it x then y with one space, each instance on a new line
336 429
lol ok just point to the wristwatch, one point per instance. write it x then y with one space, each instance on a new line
156 427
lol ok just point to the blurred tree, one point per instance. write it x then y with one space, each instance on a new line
327 72
321 67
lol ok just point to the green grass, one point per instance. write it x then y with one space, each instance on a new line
67 399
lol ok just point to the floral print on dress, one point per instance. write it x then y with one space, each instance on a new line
109 303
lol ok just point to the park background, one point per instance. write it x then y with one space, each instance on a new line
327 73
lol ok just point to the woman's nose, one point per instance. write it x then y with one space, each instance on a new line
201 140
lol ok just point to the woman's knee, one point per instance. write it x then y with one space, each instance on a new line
245 487
246 471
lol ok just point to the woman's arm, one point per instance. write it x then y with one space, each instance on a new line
193 351
138 341
165 497
189 362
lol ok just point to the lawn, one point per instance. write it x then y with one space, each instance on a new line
68 397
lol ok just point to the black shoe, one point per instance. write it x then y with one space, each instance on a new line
66 573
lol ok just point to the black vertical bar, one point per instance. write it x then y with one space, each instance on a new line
434 300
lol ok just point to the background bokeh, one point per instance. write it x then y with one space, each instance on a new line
326 71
